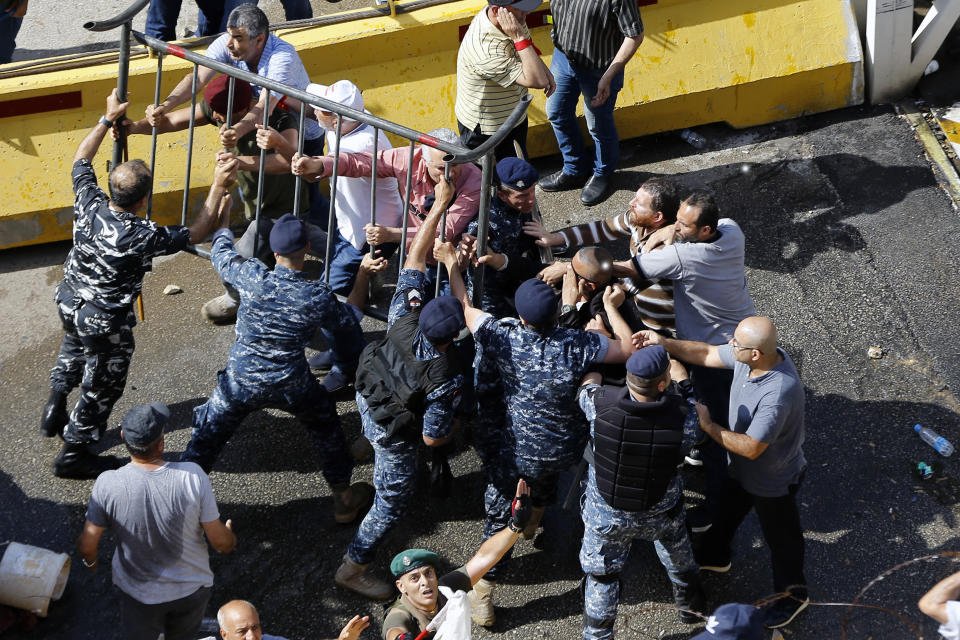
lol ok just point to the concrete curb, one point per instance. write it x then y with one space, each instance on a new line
947 173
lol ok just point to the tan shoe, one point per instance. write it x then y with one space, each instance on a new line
536 514
351 502
354 577
220 310
361 450
481 603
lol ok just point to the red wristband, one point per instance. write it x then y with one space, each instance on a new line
283 103
526 42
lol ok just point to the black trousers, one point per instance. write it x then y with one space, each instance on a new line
712 388
473 139
780 522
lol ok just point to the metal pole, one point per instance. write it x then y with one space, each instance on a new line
483 222
298 186
373 183
260 178
331 218
230 90
193 114
443 234
122 76
406 208
153 136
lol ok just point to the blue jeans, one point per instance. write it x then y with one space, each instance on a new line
9 27
163 14
297 9
562 112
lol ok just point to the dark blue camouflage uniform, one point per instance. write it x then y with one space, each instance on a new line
102 277
280 310
505 235
540 374
395 459
608 534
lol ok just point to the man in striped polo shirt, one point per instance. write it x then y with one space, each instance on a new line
593 41
496 65
653 207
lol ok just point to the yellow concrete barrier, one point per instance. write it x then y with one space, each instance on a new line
745 62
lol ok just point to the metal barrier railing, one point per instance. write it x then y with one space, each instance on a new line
456 154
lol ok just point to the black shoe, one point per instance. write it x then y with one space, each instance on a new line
594 191
698 520
718 563
76 461
561 181
54 417
783 611
322 361
336 382
691 601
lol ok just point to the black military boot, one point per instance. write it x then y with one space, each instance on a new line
54 417
690 600
76 461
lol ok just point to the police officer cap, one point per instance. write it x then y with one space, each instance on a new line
442 319
288 235
648 362
143 425
536 301
733 622
412 559
517 174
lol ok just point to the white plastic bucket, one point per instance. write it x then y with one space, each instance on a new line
30 577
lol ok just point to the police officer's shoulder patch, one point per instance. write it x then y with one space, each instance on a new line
414 299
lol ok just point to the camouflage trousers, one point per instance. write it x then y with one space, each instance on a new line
608 534
95 354
394 479
493 442
239 394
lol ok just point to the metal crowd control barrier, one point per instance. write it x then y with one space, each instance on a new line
455 154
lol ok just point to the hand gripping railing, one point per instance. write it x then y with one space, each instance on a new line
455 154
124 19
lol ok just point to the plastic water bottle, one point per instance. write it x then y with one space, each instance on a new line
694 139
934 439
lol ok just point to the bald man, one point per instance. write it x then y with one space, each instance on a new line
593 268
239 620
764 446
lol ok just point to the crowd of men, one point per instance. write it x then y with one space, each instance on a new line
633 367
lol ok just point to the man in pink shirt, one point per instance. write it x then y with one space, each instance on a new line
427 171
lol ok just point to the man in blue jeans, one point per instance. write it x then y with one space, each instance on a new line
593 40
211 18
11 18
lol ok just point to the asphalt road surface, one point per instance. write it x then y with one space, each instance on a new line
851 243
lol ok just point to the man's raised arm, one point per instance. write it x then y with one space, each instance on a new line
91 143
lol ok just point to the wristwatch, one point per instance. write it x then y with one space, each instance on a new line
103 120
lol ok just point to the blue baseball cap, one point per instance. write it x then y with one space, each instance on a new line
289 235
733 622
536 301
517 174
520 5
143 425
648 362
442 319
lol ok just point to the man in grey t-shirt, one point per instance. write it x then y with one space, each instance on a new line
703 256
158 512
764 445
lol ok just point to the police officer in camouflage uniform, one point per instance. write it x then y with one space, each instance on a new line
280 310
102 277
541 366
408 387
634 490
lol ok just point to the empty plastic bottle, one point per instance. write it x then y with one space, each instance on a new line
934 439
694 139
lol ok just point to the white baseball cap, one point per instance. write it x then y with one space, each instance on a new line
342 92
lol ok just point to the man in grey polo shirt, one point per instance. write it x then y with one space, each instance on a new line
764 445
158 512
703 256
